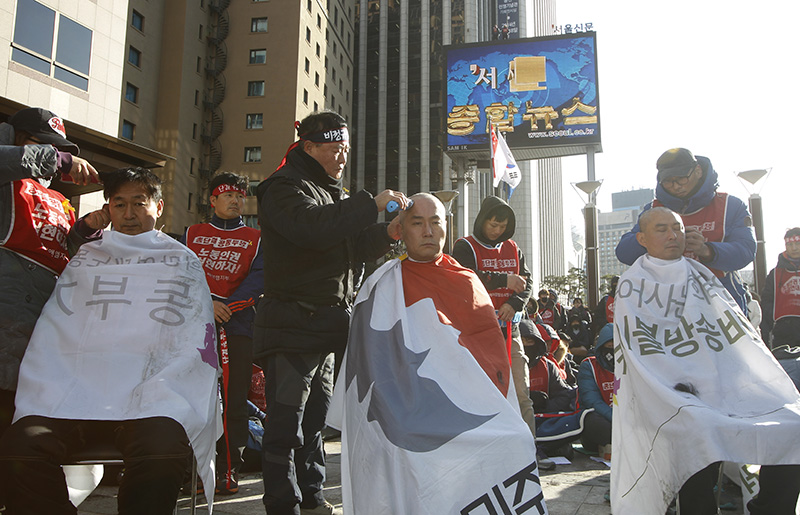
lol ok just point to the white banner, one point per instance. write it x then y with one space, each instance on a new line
128 333
695 385
424 429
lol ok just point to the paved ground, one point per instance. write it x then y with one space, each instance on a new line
574 489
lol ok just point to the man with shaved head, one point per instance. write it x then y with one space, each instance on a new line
672 330
436 430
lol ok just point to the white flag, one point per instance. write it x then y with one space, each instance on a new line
504 167
694 385
424 429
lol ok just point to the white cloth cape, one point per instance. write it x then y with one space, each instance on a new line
128 333
676 331
489 467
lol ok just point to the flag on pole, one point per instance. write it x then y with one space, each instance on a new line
425 428
504 167
694 385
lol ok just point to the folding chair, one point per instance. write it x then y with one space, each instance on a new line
105 453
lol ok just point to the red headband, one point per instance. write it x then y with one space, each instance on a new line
222 188
792 238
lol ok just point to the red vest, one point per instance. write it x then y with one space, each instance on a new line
501 259
42 219
787 294
226 254
604 380
710 221
540 379
548 316
609 309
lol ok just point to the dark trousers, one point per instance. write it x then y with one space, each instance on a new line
235 385
298 390
6 409
778 491
596 431
155 451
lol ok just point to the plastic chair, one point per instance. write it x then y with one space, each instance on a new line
105 453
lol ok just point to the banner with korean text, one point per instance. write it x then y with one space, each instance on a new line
542 93
128 333
694 385
424 428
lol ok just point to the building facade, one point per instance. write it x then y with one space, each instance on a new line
192 87
399 115
626 208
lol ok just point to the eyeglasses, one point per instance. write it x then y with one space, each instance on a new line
680 181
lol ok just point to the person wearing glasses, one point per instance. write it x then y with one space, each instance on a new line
719 230
35 221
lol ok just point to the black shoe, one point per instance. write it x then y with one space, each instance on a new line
228 484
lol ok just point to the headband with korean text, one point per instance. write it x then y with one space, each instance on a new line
222 188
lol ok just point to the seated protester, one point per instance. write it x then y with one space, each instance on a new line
425 386
694 386
596 388
549 391
124 351
580 337
579 310
548 310
562 312
604 311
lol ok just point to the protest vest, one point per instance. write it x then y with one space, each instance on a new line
604 379
539 377
787 294
42 219
502 259
609 308
548 316
226 254
710 221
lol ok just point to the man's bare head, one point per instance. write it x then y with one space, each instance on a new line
423 227
662 233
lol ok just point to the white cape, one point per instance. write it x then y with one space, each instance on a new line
424 429
694 385
128 333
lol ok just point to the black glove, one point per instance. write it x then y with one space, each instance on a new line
539 401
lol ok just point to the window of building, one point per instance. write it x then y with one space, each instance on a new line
199 65
137 20
308 5
131 93
194 131
316 107
305 97
307 66
134 56
319 21
128 130
308 35
255 88
316 79
191 166
255 121
189 204
340 85
318 50
200 32
258 56
258 25
252 154
196 97
333 74
52 44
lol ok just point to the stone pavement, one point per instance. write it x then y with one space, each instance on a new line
574 489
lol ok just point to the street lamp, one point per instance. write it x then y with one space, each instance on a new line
447 197
749 179
590 218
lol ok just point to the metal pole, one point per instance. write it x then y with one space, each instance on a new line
592 264
760 264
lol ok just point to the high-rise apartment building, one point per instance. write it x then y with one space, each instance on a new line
190 86
399 114
626 207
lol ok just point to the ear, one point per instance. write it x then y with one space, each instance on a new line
213 200
160 208
640 237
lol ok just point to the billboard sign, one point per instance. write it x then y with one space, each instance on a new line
540 92
508 19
